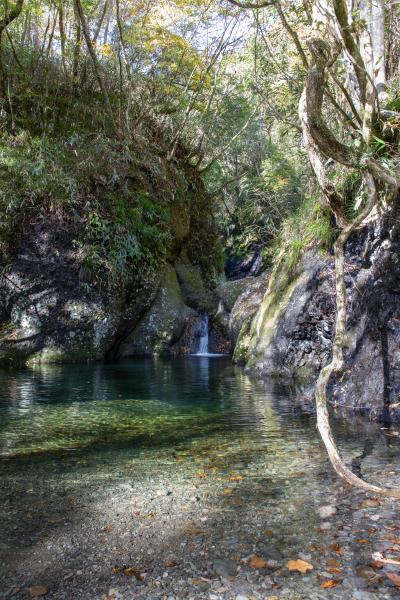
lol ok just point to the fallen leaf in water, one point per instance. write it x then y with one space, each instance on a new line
257 563
129 571
336 548
268 532
150 515
171 563
334 570
363 541
236 478
394 578
370 503
37 591
299 565
330 583
332 562
201 475
227 491
272 598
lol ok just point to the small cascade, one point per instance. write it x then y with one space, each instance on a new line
203 337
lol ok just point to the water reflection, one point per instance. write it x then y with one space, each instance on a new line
123 408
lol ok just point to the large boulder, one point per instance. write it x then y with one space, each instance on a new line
239 301
164 322
290 336
48 313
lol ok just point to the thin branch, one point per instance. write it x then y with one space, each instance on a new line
251 5
229 143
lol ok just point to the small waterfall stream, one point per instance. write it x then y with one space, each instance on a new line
203 337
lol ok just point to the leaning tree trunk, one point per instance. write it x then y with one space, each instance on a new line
337 362
321 143
95 61
4 23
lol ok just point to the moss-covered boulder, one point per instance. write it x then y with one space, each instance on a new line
86 258
196 293
164 322
267 347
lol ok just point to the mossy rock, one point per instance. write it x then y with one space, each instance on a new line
163 324
194 290
229 291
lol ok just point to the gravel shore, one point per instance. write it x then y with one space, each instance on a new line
202 520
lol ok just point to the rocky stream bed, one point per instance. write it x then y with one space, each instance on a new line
218 512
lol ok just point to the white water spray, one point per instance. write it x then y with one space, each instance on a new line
203 338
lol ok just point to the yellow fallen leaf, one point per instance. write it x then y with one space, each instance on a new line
227 491
334 570
268 532
257 563
236 478
299 565
37 591
330 583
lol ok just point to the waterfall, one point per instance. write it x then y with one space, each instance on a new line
203 337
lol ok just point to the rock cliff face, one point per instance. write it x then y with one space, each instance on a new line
290 335
53 310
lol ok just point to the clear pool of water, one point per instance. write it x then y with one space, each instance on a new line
175 442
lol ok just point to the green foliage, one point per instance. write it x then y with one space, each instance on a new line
129 236
310 226
272 191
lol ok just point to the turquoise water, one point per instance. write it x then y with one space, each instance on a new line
104 412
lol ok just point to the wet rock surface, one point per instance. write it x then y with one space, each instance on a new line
51 312
291 336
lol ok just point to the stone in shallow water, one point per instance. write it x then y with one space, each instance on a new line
361 595
225 567
326 511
